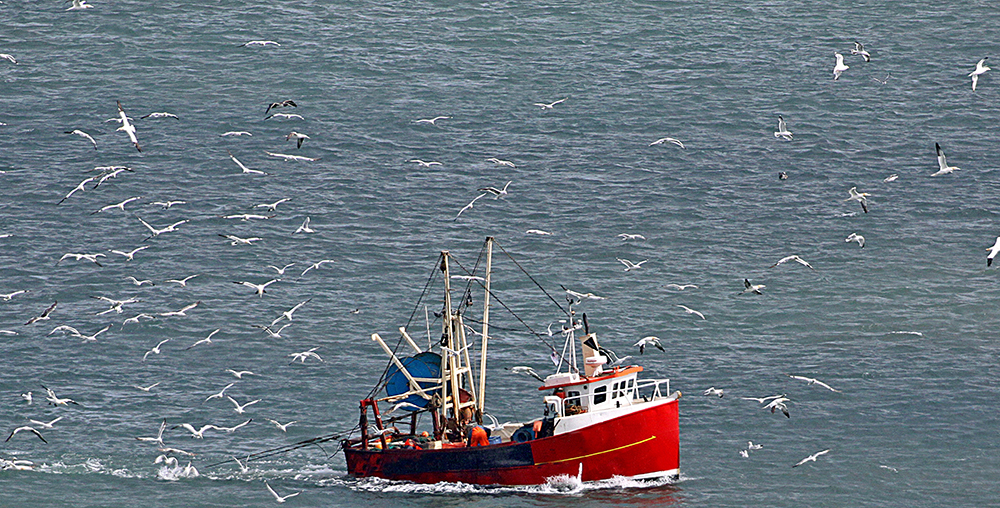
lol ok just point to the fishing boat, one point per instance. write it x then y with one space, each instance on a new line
596 423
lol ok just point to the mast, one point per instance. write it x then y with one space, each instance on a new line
486 324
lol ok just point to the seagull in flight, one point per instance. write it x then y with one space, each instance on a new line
281 271
468 206
158 232
159 436
82 134
8 296
752 288
56 401
882 81
10 58
183 282
891 178
259 289
221 394
258 43
292 157
160 115
280 499
135 319
500 162
667 140
811 458
854 237
230 430
981 68
283 104
240 373
130 254
80 5
241 408
425 164
432 120
316 266
993 252
626 237
127 127
235 133
44 425
284 427
943 167
245 169
680 287
301 357
79 187
92 338
783 131
495 191
304 228
89 257
29 429
272 206
860 197
526 371
691 311
288 313
206 340
649 341
537 232
288 116
629 266
271 333
778 403
196 433
146 388
551 104
814 381
581 296
120 206
795 258
235 240
761 400
720 392
299 138
155 350
859 49
182 312
840 67
43 316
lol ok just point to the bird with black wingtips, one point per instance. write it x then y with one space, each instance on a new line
993 252
283 104
29 429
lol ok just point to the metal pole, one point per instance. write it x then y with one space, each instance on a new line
486 324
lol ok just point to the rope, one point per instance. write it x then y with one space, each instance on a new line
518 265
288 448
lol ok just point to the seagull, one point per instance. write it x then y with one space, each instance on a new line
527 371
79 187
680 287
135 319
158 232
240 373
155 350
182 312
158 439
860 197
468 206
44 425
243 465
82 134
316 265
196 434
29 429
79 5
582 296
206 340
112 174
667 140
854 237
649 341
64 328
301 357
127 126
284 427
752 288
272 206
425 164
283 104
297 137
943 166
92 338
221 394
8 296
167 461
811 458
146 388
795 258
281 271
129 255
882 81
27 397
230 430
859 49
745 454
496 192
993 252
9 57
751 446
778 403
551 104
241 408
43 316
280 499
304 228
626 237
840 67
285 115
288 313
537 232
258 43
248 216
432 120
235 240
500 162
399 407
160 115
783 131
691 311
271 333
89 257
235 133
629 266
183 282
292 157
761 400
56 401
720 392
814 381
891 178
981 68
245 169
260 289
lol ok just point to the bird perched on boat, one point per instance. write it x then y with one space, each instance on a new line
29 429
860 197
943 167
299 138
283 104
715 391
981 69
528 371
84 135
649 341
840 67
814 381
783 131
495 191
127 127
811 458
795 258
993 252
854 237
661 141
752 288
859 49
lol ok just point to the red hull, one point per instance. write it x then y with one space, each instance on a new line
641 443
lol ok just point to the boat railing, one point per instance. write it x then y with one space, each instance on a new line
576 404
656 392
